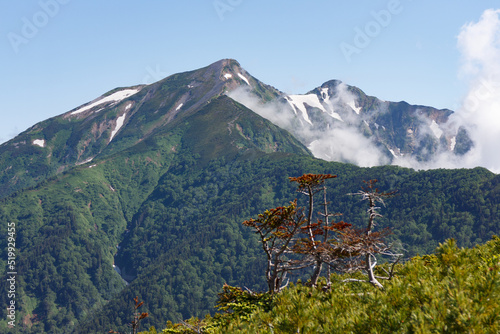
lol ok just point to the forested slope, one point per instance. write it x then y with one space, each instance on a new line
180 234
183 253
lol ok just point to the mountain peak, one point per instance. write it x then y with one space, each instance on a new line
222 65
331 83
122 118
225 62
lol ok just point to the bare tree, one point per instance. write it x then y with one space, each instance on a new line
362 245
336 245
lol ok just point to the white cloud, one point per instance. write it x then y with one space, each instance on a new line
479 44
347 144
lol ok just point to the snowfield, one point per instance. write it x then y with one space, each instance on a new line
115 97
39 142
242 77
119 124
436 130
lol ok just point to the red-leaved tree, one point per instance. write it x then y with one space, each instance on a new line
277 229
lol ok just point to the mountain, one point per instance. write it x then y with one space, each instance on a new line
142 192
338 122
115 121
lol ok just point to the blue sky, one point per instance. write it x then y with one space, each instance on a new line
58 54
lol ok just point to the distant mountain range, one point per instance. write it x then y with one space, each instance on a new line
338 122
142 191
335 121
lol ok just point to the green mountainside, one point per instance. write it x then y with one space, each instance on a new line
161 202
88 132
69 226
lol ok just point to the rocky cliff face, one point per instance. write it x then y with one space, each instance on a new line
339 122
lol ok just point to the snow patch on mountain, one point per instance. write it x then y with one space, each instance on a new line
453 143
396 153
179 106
39 142
119 124
352 104
436 130
228 75
84 162
324 94
335 115
341 98
115 97
242 77
300 101
330 107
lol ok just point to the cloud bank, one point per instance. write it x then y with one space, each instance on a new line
479 44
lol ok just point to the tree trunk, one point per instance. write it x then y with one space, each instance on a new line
371 276
316 273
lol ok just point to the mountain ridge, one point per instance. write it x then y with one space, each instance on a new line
122 117
396 131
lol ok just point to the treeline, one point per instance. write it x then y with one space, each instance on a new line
191 225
